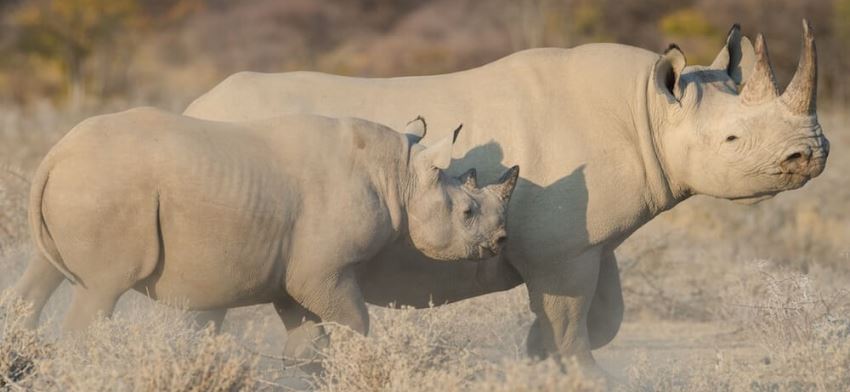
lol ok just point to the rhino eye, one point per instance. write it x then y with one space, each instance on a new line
731 138
467 213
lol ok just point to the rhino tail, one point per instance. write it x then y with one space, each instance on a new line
41 235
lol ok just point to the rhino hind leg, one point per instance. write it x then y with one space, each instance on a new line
87 305
606 309
109 243
37 284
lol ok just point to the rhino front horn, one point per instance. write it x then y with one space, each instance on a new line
800 97
505 186
761 86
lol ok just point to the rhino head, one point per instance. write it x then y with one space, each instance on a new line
726 131
452 218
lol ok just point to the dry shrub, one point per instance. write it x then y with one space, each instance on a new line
526 375
161 352
405 352
800 333
804 332
20 348
153 351
423 350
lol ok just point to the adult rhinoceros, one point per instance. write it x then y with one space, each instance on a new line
608 136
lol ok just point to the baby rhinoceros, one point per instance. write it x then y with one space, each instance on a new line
218 215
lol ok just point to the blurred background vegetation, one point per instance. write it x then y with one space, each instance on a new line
166 52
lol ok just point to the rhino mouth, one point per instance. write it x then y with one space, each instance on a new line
754 199
486 252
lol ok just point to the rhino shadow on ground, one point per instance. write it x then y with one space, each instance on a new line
401 275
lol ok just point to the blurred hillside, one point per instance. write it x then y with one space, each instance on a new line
166 52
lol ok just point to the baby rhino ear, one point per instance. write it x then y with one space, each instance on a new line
439 155
416 129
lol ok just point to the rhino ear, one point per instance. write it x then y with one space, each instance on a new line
668 70
737 56
437 156
416 129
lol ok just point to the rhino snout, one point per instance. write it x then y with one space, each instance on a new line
797 160
806 160
493 247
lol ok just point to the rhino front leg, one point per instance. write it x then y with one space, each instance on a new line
330 299
606 309
337 298
560 295
305 336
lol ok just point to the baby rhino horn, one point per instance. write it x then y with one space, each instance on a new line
469 179
505 186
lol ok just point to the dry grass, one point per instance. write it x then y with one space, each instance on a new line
794 336
150 351
705 312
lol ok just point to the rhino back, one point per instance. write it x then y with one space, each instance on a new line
567 117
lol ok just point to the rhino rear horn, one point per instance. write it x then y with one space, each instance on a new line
800 97
505 186
761 86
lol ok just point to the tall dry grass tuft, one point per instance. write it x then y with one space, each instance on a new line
798 335
153 350
160 352
410 350
406 352
804 332
20 348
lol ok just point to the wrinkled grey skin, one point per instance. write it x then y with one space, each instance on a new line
217 215
608 136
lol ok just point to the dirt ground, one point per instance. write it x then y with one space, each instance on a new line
696 344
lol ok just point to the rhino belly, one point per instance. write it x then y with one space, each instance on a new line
220 252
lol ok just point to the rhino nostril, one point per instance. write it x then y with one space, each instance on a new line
793 157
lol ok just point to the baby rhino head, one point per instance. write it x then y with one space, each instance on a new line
451 218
